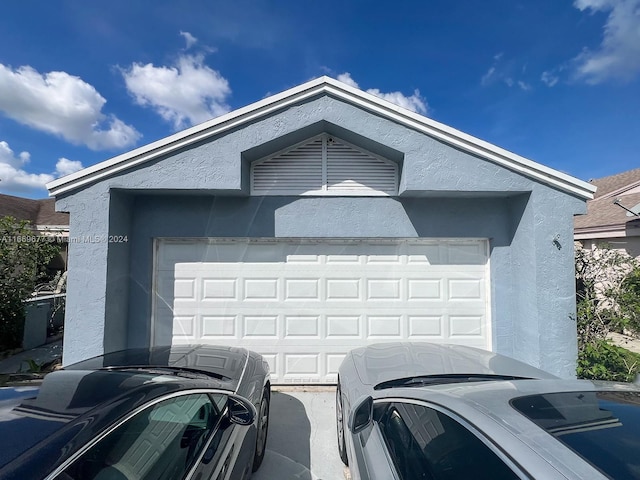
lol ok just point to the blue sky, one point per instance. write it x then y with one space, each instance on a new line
556 81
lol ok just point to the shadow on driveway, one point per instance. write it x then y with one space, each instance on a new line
301 443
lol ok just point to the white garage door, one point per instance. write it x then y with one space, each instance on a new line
304 304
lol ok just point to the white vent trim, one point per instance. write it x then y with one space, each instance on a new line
324 165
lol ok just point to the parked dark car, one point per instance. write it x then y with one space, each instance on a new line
444 412
163 413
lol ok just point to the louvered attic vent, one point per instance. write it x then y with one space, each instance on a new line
324 165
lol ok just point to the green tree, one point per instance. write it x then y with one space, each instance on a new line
607 288
629 302
24 256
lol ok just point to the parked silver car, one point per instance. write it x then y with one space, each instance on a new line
412 411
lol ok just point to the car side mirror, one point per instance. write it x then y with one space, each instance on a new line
361 415
240 410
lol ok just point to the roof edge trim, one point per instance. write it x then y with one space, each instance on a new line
347 93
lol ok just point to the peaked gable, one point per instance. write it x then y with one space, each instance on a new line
314 88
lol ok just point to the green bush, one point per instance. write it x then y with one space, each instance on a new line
607 300
23 260
601 360
629 302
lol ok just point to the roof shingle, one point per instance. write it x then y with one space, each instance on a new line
38 212
602 212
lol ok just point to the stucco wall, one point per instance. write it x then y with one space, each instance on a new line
201 191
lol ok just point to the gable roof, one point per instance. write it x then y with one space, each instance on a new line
37 212
342 91
603 215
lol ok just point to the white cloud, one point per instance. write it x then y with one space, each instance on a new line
549 78
524 85
190 39
7 156
499 72
15 178
494 74
346 78
187 93
63 105
618 56
415 103
487 78
64 166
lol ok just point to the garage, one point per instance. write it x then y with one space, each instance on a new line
317 220
304 303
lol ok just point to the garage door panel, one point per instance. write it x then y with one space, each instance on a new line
222 327
307 289
305 304
465 289
426 327
302 366
466 326
345 327
449 252
331 328
184 327
219 289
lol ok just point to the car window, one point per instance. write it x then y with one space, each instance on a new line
427 444
601 427
160 443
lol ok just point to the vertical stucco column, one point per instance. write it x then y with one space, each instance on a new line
87 274
555 278
523 301
543 268
118 274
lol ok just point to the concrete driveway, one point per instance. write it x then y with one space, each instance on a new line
302 436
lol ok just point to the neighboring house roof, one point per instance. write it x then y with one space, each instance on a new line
40 213
604 218
343 92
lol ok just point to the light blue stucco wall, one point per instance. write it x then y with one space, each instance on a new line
202 191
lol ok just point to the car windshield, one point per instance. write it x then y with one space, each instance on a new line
601 427
175 371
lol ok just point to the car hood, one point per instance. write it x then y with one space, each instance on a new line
379 363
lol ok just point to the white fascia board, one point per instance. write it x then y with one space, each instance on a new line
345 92
622 191
52 228
468 142
184 138
605 231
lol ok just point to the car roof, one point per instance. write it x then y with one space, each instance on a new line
493 398
225 363
33 413
382 362
487 405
